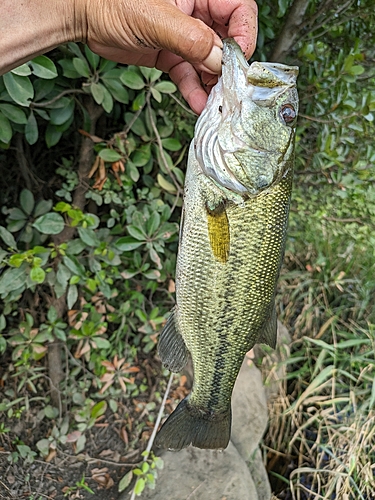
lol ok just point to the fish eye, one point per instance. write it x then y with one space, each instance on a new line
288 113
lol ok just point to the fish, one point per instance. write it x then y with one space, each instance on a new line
237 193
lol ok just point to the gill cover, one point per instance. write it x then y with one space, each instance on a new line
243 143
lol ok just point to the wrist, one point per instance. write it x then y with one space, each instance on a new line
33 27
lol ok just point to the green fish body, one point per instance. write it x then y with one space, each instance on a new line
232 238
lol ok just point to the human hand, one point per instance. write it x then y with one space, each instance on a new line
176 36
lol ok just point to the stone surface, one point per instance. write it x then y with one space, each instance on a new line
249 410
236 473
259 476
194 474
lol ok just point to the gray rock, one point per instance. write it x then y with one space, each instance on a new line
259 476
249 408
194 474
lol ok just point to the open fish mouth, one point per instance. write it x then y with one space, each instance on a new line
248 125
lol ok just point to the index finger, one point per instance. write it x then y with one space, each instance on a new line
240 19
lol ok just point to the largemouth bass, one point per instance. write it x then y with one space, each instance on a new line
232 238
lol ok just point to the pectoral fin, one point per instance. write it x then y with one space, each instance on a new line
218 231
269 330
172 349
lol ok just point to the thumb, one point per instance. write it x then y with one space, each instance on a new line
190 38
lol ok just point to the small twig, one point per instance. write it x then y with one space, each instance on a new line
6 487
89 459
160 144
56 98
195 490
160 415
155 429
133 120
188 110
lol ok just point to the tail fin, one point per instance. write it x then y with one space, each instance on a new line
190 425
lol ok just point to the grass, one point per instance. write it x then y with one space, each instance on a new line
321 438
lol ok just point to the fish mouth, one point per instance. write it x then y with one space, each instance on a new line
266 80
230 147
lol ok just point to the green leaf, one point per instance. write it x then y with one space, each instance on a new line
155 74
43 67
88 237
141 156
6 131
156 95
74 48
171 144
139 101
97 91
27 201
132 80
107 101
136 233
22 70
37 274
69 70
132 171
125 481
165 87
60 116
12 279
283 5
153 223
127 244
116 88
81 66
7 237
99 409
166 185
138 126
102 343
72 296
31 129
52 314
74 266
42 207
109 155
19 88
13 113
139 486
52 135
92 58
50 223
357 70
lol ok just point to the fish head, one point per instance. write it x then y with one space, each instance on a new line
244 138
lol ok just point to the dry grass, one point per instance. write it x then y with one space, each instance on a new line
321 439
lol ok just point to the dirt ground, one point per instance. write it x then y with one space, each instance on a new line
69 476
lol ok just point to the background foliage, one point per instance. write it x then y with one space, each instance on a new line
92 158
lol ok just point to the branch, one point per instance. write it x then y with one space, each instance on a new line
290 31
56 98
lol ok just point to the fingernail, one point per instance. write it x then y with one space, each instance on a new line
212 63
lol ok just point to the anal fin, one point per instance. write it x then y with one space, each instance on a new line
172 349
269 330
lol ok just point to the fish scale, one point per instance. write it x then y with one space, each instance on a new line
232 238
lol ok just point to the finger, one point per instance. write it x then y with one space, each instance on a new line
208 80
190 38
243 27
189 84
236 19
